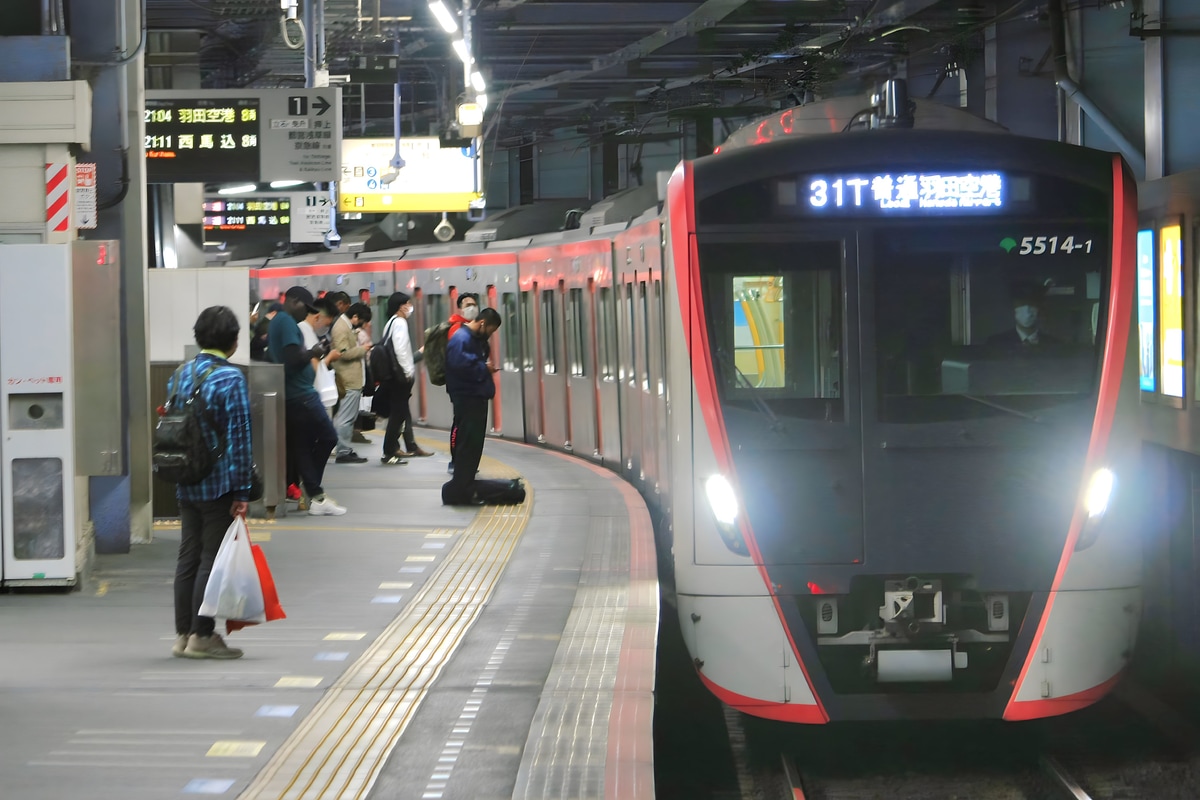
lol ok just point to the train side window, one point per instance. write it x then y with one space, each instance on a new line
644 301
605 329
660 332
530 330
435 309
510 329
575 337
629 327
549 333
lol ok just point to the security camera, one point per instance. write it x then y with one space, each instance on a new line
444 231
332 239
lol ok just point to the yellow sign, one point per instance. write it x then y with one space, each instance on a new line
1170 294
433 178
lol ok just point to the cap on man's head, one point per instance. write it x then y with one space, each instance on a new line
395 300
303 295
1027 294
274 308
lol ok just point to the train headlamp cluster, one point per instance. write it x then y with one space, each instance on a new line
723 501
1096 500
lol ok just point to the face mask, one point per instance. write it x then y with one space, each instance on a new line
1026 316
470 312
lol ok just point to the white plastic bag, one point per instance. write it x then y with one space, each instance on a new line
326 385
233 590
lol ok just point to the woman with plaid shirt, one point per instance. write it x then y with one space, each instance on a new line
207 508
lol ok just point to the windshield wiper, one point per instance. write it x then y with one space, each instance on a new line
1015 412
773 422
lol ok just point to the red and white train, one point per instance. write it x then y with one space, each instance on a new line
880 387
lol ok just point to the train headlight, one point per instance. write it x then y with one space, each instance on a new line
1099 490
724 504
722 499
1096 499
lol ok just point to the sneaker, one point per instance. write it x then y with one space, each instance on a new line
209 647
324 506
293 492
351 458
419 453
393 460
180 645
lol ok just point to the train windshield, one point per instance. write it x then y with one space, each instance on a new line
984 320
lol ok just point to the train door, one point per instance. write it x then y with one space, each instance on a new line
508 421
580 364
531 366
630 392
647 382
608 385
659 348
556 412
783 324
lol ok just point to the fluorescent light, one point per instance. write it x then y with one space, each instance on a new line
477 81
444 17
464 54
242 189
284 184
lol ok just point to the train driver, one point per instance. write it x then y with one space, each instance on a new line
1026 330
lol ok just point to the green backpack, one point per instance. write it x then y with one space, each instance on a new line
435 352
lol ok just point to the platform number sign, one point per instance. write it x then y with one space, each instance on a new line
298 105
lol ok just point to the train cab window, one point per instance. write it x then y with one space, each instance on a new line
549 332
530 330
606 328
576 354
775 315
967 328
510 329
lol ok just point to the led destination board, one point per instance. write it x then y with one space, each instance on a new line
900 193
198 140
271 216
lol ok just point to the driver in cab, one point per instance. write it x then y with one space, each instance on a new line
1026 330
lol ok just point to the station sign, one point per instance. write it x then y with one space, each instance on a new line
433 178
257 135
295 217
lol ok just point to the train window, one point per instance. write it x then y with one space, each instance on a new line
660 334
530 330
629 328
965 328
549 332
645 303
605 329
775 312
575 337
435 310
510 329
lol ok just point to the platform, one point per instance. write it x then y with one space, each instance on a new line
429 652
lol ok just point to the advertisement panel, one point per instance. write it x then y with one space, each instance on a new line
1145 310
433 178
1170 283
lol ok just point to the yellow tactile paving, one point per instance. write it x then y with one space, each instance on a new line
339 749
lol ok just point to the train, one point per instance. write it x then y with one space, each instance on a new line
883 490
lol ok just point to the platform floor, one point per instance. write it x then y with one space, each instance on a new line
429 652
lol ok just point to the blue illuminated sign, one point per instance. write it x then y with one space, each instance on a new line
907 191
1145 309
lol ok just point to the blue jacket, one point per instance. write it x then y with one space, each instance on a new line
467 373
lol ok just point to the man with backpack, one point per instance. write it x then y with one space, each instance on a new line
396 356
221 401
471 386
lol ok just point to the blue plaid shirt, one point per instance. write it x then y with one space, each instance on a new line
227 398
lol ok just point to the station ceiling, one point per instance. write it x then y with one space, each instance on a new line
623 69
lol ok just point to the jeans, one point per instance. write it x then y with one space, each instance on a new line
203 523
310 438
399 418
343 423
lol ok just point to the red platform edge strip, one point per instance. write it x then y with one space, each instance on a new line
1124 260
682 217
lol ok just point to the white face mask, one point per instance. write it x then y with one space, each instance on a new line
1026 316
470 312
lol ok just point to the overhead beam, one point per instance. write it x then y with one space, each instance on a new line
705 16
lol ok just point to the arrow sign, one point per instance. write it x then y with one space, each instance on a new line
321 105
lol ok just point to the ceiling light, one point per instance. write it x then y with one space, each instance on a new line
477 81
444 17
464 54
284 184
240 189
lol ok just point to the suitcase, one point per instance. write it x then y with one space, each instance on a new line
485 493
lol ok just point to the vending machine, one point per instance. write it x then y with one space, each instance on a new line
37 416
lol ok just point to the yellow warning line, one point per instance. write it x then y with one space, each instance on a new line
338 751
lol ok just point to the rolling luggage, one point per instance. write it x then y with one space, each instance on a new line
485 493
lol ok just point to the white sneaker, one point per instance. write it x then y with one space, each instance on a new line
325 507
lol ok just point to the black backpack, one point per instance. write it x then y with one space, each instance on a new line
382 359
181 452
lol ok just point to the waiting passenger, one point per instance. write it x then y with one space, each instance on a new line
400 308
207 508
349 371
259 327
471 386
468 310
310 434
1027 330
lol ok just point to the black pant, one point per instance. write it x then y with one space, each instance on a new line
399 418
469 436
310 440
204 523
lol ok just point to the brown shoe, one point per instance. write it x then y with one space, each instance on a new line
209 647
420 453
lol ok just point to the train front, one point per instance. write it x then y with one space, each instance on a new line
912 425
